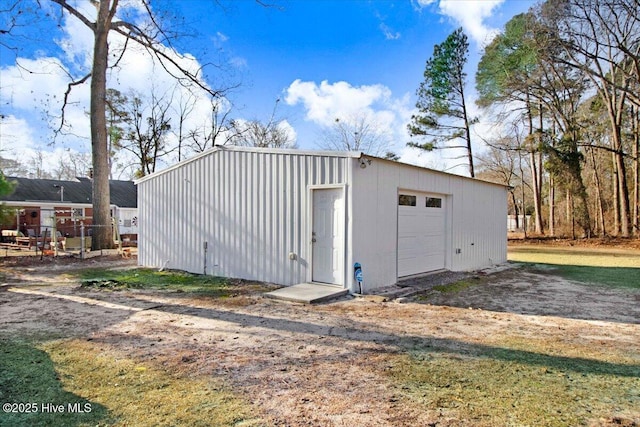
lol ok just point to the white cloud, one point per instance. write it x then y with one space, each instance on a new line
34 93
470 15
423 3
289 130
221 37
328 101
77 43
389 34
15 137
33 89
18 142
325 102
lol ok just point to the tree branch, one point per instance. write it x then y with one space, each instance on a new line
73 11
66 98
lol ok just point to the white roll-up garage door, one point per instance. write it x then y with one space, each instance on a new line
421 233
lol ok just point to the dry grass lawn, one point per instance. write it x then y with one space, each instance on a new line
538 345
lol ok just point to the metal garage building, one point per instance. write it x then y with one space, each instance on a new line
292 216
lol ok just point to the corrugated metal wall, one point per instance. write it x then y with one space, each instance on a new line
249 206
476 212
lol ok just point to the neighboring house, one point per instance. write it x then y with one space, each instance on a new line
293 216
41 203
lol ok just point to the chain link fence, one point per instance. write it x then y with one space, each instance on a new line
73 240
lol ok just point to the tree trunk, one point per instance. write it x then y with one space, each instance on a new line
515 208
524 204
535 164
616 196
467 128
101 233
537 198
623 193
573 216
469 152
636 170
584 219
615 110
600 224
552 206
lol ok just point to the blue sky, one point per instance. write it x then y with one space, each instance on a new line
322 59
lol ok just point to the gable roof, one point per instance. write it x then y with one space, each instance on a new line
297 152
217 148
124 194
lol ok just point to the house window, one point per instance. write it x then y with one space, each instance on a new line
434 202
77 212
406 200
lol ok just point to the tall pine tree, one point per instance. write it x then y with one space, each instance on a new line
443 120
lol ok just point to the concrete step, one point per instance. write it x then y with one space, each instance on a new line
307 293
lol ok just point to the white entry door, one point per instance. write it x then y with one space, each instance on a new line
327 236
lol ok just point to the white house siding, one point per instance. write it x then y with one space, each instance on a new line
250 206
475 213
127 220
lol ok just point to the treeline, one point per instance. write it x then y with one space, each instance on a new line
563 81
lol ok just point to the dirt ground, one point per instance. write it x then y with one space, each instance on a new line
321 364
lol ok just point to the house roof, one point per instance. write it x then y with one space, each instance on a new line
124 194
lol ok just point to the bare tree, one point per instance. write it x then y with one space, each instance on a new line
12 167
358 132
215 130
600 39
72 165
254 133
274 133
151 36
35 166
186 104
146 126
499 164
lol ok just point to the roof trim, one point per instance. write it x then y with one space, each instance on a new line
294 151
436 171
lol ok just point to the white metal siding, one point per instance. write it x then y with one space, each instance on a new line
249 206
474 210
479 232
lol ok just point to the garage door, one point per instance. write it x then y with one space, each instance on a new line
421 233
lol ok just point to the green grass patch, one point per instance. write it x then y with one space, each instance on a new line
110 388
618 277
588 257
177 281
611 276
30 385
510 387
137 394
457 286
